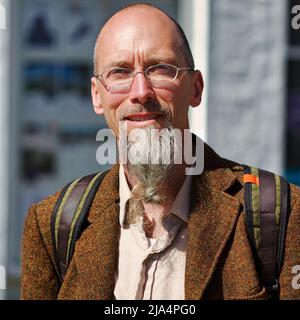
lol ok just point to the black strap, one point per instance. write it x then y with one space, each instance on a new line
267 233
248 208
268 230
284 217
53 236
69 217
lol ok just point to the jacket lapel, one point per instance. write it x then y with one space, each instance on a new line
213 219
97 250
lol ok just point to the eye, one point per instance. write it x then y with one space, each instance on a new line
162 69
162 72
118 72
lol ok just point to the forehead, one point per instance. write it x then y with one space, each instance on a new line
138 37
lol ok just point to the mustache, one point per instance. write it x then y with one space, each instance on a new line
147 107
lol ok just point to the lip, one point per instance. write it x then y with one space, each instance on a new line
143 117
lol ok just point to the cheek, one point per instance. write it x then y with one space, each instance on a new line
111 105
175 98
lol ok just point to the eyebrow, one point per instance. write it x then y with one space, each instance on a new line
120 63
157 60
149 62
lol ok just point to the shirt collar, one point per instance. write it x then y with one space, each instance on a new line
125 194
181 204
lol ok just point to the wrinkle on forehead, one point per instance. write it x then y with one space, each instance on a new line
130 45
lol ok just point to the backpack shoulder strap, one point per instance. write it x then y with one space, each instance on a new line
267 207
69 217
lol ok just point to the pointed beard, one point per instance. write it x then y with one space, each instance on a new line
152 177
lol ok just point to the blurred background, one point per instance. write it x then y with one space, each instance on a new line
247 50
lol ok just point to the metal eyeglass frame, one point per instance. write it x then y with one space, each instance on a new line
134 73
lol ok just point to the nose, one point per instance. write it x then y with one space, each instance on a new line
141 90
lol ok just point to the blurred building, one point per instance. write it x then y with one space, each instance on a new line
247 51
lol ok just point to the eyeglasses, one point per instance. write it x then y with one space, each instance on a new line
120 79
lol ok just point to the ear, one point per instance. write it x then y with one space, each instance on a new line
198 86
95 91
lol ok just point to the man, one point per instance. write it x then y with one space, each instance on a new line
153 231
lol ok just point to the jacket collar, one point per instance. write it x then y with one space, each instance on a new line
214 213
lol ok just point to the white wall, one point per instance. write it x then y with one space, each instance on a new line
246 114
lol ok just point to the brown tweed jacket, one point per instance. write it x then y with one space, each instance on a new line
219 261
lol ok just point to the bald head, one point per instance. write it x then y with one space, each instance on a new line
145 20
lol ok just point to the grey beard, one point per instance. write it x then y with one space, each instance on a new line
151 177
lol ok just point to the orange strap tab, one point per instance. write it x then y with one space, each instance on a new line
251 178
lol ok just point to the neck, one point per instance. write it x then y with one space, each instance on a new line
170 187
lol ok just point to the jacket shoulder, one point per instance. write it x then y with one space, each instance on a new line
40 215
38 276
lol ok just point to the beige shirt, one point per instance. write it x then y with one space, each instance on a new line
153 269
